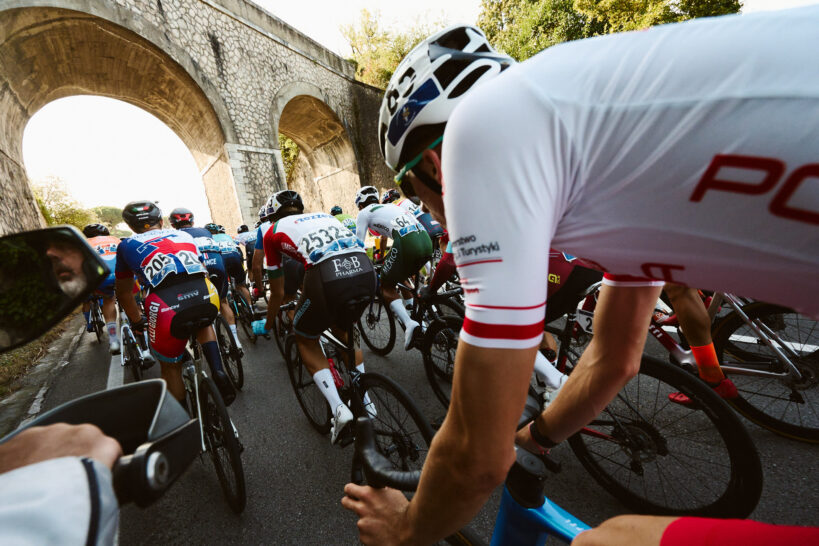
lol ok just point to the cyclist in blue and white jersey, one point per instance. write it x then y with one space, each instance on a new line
232 257
703 130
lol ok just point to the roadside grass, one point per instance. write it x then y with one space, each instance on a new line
15 364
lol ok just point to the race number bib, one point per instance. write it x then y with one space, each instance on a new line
157 267
403 225
190 262
327 240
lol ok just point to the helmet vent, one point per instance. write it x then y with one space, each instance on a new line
457 39
447 72
468 81
483 49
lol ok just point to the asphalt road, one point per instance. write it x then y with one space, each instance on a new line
295 477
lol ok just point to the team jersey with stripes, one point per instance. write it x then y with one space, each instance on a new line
154 255
309 238
684 153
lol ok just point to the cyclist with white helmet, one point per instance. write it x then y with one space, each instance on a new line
411 249
337 272
702 131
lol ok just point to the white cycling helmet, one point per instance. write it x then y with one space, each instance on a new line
365 194
429 83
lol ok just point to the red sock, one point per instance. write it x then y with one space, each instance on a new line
707 363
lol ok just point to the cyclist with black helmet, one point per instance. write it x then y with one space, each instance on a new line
232 257
337 271
411 249
171 268
390 196
106 245
246 238
346 220
589 147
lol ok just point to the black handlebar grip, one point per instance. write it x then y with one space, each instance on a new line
378 470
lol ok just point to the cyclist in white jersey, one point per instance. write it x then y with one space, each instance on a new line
337 271
685 153
411 249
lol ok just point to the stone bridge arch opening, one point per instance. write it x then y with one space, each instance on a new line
327 172
48 53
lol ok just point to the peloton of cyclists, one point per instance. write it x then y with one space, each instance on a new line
588 147
337 271
411 249
168 264
105 244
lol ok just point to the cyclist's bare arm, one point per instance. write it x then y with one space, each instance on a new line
470 455
626 531
258 259
612 358
276 297
124 289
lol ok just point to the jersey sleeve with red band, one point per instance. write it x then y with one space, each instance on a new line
611 279
703 176
736 532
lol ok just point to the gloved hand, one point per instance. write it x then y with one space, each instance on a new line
140 325
426 292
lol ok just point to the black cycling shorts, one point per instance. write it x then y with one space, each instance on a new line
293 275
233 267
328 288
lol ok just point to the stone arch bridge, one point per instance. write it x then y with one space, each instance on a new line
225 75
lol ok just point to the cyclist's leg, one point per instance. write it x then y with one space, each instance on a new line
293 279
165 347
626 530
696 325
398 265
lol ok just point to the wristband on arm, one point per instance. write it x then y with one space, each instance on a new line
540 439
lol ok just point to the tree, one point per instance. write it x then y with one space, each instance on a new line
290 154
377 51
522 28
58 206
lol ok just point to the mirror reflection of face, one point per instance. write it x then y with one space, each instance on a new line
66 261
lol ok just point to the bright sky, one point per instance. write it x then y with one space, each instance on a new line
109 152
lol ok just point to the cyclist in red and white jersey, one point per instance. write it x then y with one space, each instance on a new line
683 153
337 271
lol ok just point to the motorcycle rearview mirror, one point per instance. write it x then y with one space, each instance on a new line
44 275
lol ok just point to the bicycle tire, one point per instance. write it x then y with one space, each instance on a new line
438 350
640 458
782 406
231 361
279 332
377 327
310 398
245 317
133 356
98 320
402 434
222 445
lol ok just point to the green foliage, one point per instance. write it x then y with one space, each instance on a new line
377 51
522 28
290 154
57 205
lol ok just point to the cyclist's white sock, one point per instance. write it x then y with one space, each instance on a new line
368 404
548 372
408 302
400 312
327 386
233 330
112 330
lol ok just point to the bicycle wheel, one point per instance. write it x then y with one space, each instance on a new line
98 320
377 327
245 317
312 402
222 445
438 350
231 360
402 434
280 331
780 404
132 355
662 458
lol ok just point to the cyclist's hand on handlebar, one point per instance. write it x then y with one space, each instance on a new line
140 325
426 292
38 444
382 513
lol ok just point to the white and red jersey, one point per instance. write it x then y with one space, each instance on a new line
685 153
383 219
309 238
